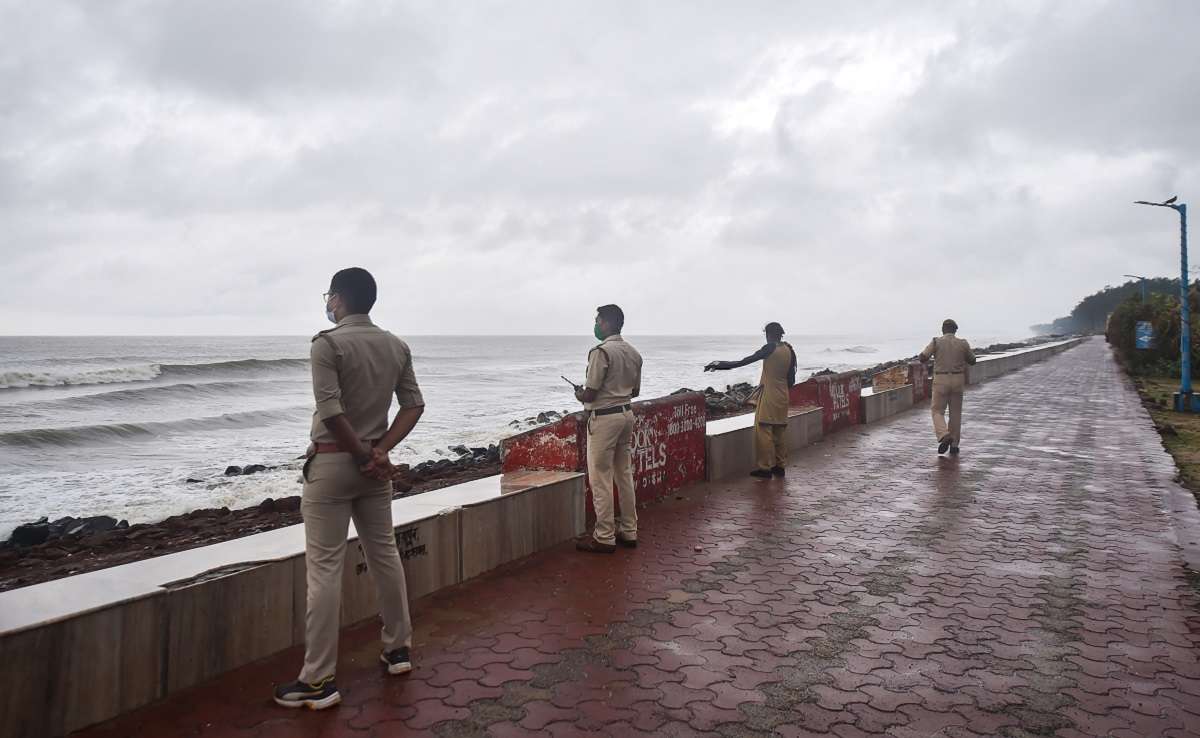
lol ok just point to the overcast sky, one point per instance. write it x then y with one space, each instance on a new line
203 166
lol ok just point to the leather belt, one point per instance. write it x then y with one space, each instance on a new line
611 410
334 448
957 372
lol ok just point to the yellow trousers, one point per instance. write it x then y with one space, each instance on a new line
334 493
770 445
609 461
948 395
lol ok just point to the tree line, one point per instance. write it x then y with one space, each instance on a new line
1091 314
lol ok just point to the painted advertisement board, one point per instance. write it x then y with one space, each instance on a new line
836 394
667 448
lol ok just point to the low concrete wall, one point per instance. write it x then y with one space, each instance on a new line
884 403
520 522
49 683
729 442
84 649
902 387
991 366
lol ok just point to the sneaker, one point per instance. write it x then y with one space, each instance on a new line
761 473
313 696
778 471
944 444
954 450
397 660
626 542
591 545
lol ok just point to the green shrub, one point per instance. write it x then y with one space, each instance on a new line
1162 311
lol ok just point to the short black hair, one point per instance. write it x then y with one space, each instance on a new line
949 326
356 287
773 329
612 315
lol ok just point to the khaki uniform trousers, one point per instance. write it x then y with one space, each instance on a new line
948 393
770 445
334 493
609 460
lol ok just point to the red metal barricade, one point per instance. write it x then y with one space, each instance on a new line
558 446
668 446
836 394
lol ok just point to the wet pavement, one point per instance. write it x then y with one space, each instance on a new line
1036 585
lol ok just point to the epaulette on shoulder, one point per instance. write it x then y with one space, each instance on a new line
325 332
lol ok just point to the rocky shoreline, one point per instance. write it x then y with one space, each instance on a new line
45 550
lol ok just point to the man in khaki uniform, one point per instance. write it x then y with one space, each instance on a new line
770 400
614 378
951 357
357 367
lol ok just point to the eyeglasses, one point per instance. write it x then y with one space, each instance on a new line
326 295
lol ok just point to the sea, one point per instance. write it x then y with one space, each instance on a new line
142 428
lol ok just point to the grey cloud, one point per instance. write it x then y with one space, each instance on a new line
1113 78
254 51
229 155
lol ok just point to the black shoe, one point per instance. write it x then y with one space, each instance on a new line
313 696
761 473
954 450
777 471
397 660
626 542
591 545
944 444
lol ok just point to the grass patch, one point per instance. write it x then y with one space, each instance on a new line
1180 432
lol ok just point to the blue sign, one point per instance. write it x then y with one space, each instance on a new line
1144 334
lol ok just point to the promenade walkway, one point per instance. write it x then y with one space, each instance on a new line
1034 586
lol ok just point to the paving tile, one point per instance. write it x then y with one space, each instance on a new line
540 714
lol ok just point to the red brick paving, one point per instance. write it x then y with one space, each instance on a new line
1035 586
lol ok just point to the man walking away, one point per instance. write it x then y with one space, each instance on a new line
951 357
614 378
356 369
771 409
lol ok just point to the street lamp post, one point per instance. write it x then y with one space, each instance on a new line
1183 398
1142 281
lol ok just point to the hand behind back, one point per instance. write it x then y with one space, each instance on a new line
379 467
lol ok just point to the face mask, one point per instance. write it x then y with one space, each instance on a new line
329 314
596 332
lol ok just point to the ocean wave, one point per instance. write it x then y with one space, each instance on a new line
81 435
854 350
116 375
34 378
232 367
152 395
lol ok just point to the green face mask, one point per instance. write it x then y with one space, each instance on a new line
596 332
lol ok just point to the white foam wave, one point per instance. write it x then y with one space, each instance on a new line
50 378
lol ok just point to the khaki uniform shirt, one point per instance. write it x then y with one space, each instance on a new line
951 354
615 372
356 368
